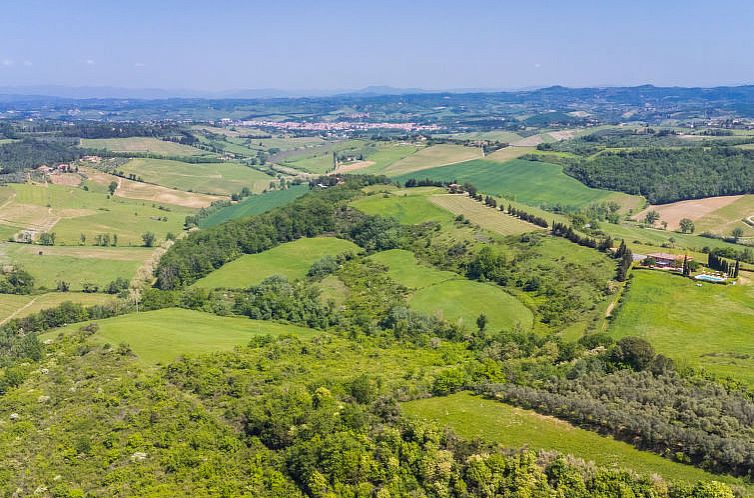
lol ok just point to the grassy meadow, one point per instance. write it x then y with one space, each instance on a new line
256 204
486 217
142 144
163 335
76 265
408 206
530 182
451 297
707 326
208 178
291 260
16 306
474 417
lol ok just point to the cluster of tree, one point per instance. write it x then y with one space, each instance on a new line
121 129
716 262
102 239
523 215
16 281
426 182
30 153
668 175
648 405
567 232
626 259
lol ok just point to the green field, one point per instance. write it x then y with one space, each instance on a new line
72 211
430 157
256 204
530 182
142 144
451 297
76 265
319 158
725 219
408 206
163 335
208 178
473 417
291 260
20 306
708 326
387 154
487 217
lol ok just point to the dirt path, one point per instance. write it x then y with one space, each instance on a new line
19 310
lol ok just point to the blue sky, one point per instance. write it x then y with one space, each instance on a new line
231 44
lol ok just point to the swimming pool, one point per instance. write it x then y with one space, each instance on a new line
710 278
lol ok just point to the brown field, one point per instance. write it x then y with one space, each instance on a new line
509 153
531 141
731 216
693 209
130 189
70 179
563 134
86 252
142 144
486 217
355 166
431 157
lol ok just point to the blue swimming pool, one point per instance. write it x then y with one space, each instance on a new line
710 278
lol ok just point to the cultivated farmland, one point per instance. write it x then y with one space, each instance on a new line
141 145
431 157
486 217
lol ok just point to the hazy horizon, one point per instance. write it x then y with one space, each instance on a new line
231 45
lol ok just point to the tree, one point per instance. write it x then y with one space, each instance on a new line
633 352
687 225
481 322
737 233
112 187
651 217
149 239
47 238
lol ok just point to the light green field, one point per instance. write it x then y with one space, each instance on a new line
71 211
319 159
453 298
208 178
431 157
530 182
474 417
408 206
488 218
386 155
76 265
142 144
163 335
495 135
12 306
291 260
708 326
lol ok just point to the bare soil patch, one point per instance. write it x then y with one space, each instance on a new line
70 179
355 166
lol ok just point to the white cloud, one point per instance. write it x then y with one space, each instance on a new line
89 62
6 62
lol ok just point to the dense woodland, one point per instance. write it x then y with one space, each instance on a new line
669 175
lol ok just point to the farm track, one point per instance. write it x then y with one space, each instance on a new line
19 310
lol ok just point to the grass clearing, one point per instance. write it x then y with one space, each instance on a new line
163 335
451 297
12 306
431 157
256 204
76 265
291 260
207 178
488 218
142 144
707 326
408 206
531 182
473 417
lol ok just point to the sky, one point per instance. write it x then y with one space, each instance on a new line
218 45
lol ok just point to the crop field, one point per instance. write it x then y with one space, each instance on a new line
255 204
707 326
142 144
317 158
72 211
451 297
76 265
291 260
408 206
431 157
484 216
724 219
508 153
208 178
473 417
530 182
163 335
130 189
14 306
697 209
387 154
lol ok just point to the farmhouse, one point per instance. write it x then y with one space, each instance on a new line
669 260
